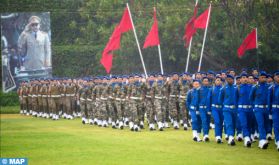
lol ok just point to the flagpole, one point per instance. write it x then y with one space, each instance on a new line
134 30
159 51
189 48
258 62
204 37
160 57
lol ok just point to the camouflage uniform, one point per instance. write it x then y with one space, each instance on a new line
35 106
183 110
55 100
135 97
158 88
25 98
149 98
44 93
173 101
40 101
70 93
104 112
82 100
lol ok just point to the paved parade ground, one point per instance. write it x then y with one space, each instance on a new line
44 141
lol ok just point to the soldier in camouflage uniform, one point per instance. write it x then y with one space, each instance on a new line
82 96
183 110
55 95
104 112
158 88
135 97
70 93
34 90
44 93
112 112
20 97
89 101
149 98
24 93
173 99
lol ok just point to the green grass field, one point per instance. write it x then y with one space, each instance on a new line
45 141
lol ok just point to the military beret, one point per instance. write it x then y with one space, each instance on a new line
263 73
230 76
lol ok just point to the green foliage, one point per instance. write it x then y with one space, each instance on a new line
81 29
8 99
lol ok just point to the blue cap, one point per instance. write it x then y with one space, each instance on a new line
196 80
230 76
244 74
276 73
237 77
263 73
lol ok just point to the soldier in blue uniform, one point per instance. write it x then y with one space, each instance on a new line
227 98
192 102
216 108
245 111
259 96
203 107
273 104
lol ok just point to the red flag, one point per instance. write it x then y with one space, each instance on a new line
114 41
200 22
190 30
106 61
126 22
152 39
250 42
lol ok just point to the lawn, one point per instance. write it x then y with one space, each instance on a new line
44 141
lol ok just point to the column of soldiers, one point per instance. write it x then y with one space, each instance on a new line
245 105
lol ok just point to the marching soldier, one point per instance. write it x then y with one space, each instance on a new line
173 99
55 96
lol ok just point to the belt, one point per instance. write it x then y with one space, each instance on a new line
192 107
157 97
70 94
44 95
148 96
62 94
102 98
110 97
82 99
119 99
39 95
98 99
244 106
135 98
216 106
183 97
275 106
203 107
34 95
173 95
89 99
260 106
55 95
24 96
229 106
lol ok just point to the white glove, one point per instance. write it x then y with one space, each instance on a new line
209 113
78 102
270 117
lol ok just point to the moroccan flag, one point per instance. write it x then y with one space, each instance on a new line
250 42
106 61
200 22
152 39
126 22
114 41
190 30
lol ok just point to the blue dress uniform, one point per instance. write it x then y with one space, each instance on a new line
245 111
192 102
204 110
217 113
273 102
228 100
259 96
